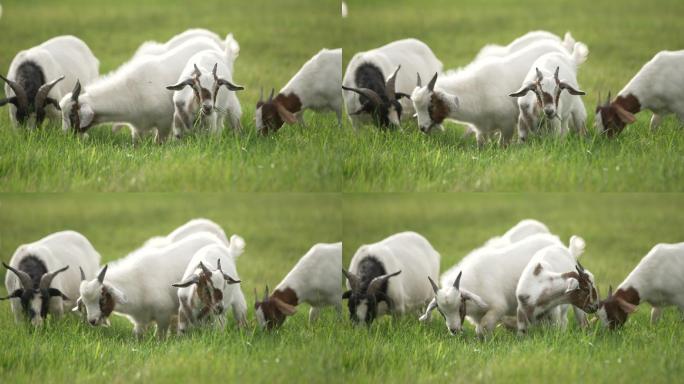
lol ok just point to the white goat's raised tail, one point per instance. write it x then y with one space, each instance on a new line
577 245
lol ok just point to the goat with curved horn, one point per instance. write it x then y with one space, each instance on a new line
457 282
47 278
24 278
377 282
367 92
354 281
435 288
390 85
42 99
101 275
20 100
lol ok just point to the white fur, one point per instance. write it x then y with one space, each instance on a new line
56 251
478 93
524 228
191 227
227 104
317 85
155 48
233 297
549 284
570 112
414 256
487 285
413 55
66 56
135 93
493 50
141 284
659 87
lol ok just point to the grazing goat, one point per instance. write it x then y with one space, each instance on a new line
197 91
551 281
524 41
155 48
406 255
139 285
210 285
315 86
477 94
191 227
45 275
524 228
38 78
658 86
376 97
133 94
657 280
482 286
315 280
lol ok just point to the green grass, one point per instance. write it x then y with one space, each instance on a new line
619 229
621 37
275 41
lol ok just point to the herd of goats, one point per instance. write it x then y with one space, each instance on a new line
168 89
189 278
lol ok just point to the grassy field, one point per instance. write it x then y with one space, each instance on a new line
275 41
619 229
621 37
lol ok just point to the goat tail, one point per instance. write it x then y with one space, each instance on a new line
577 246
237 246
568 41
580 53
232 47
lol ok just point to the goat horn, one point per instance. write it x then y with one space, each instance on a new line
101 275
610 291
457 282
19 92
46 279
76 92
82 273
435 288
390 85
419 83
608 99
377 282
555 75
265 294
218 265
367 92
196 73
580 266
354 281
270 98
24 277
213 71
43 92
431 84
540 77
204 268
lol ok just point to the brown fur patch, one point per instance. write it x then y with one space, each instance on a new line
609 117
616 315
274 317
106 302
438 109
269 111
537 270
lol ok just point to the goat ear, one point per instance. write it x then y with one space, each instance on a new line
346 295
286 115
467 295
119 297
53 292
573 285
17 293
284 307
571 90
522 91
11 100
180 85
428 312
627 307
86 115
187 282
624 115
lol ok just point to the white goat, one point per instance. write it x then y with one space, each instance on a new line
191 227
542 91
658 279
478 93
553 280
315 86
316 280
524 228
407 255
133 94
658 86
374 99
197 91
483 286
45 275
38 78
155 48
210 285
139 285
524 41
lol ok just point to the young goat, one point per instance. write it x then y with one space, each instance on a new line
210 285
315 280
477 94
371 98
657 87
45 275
482 288
524 228
38 78
373 294
133 94
542 92
657 280
315 86
155 48
524 41
139 285
551 281
191 227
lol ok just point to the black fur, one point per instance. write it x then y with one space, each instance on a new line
35 268
369 268
29 76
369 76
